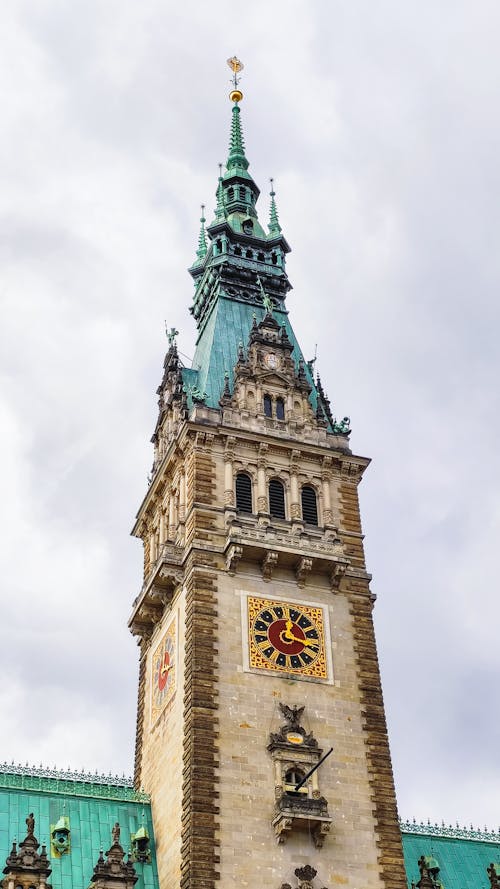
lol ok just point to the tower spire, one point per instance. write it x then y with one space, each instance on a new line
274 225
219 212
202 238
236 157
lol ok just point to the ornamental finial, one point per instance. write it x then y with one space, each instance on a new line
236 66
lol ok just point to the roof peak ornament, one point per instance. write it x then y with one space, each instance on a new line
236 66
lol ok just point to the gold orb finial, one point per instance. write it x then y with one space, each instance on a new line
236 66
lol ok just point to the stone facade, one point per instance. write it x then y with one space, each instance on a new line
211 824
253 545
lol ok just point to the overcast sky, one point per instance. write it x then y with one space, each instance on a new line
380 122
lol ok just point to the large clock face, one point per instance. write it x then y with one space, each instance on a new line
163 673
286 637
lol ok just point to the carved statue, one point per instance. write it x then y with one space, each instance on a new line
30 824
342 427
292 716
115 833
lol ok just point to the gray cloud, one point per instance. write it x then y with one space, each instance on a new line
380 124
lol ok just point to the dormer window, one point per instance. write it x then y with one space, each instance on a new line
247 226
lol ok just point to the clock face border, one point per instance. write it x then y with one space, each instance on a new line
320 670
164 671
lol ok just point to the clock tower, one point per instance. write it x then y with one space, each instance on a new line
261 733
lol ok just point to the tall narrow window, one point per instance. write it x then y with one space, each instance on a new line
277 499
243 492
280 409
230 194
309 505
268 406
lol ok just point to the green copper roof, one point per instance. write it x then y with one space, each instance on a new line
229 325
91 819
238 270
462 855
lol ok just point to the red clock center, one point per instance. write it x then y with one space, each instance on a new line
164 671
278 633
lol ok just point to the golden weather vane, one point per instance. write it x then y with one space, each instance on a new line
236 66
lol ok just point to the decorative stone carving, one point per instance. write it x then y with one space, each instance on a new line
429 873
305 876
299 804
493 872
113 872
233 556
337 573
302 570
25 866
269 563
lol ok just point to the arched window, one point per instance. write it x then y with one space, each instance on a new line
243 193
243 492
277 499
230 194
309 505
249 254
293 776
280 409
268 406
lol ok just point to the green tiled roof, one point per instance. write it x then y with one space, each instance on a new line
463 855
92 806
229 324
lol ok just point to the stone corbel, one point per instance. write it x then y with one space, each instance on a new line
302 570
233 557
319 833
282 827
269 563
337 574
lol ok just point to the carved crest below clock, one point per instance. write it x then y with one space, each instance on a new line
287 637
164 671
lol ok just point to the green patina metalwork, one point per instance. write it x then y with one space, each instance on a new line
90 807
274 225
69 783
242 271
462 855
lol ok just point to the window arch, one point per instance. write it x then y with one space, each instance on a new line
268 406
309 505
280 409
243 492
277 499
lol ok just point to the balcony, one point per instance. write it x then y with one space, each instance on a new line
158 590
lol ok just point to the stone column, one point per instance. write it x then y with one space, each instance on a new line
182 497
295 510
229 499
262 504
326 475
171 514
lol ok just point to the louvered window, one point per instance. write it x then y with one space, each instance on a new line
243 492
268 406
276 499
280 409
309 505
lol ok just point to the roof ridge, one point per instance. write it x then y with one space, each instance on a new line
65 774
443 830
